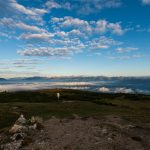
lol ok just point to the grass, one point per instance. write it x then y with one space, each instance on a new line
43 103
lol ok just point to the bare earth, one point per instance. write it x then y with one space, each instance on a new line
111 133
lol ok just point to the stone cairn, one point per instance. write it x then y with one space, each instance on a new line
20 131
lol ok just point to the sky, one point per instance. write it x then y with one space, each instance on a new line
74 37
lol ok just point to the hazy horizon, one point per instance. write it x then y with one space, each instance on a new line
69 76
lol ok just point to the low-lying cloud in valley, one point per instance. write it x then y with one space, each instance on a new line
98 84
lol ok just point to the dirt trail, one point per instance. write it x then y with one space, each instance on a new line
111 133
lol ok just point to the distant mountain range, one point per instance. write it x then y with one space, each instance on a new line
76 78
2 79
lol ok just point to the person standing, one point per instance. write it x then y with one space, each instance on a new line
58 95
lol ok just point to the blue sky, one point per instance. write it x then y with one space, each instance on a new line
74 37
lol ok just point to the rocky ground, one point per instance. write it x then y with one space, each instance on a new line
111 133
78 133
20 134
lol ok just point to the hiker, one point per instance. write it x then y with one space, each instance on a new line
58 96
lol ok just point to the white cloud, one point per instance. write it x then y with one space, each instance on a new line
102 43
55 19
9 73
104 90
50 51
26 62
123 90
24 26
12 9
6 35
52 4
68 35
39 37
39 11
116 90
83 6
11 23
70 22
64 47
45 85
68 42
61 34
90 6
146 2
12 6
6 21
19 64
74 32
93 44
115 28
138 56
126 57
127 49
76 23
103 26
88 27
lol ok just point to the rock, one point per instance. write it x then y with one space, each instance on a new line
21 120
33 127
18 136
36 119
109 139
130 126
17 128
19 132
33 119
104 131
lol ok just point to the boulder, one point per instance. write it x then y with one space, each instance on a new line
20 131
33 120
21 120
17 128
18 136
36 119
33 127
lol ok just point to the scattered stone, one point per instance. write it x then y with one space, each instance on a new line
21 120
18 136
131 126
104 131
19 132
109 139
32 119
36 119
17 128
33 127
